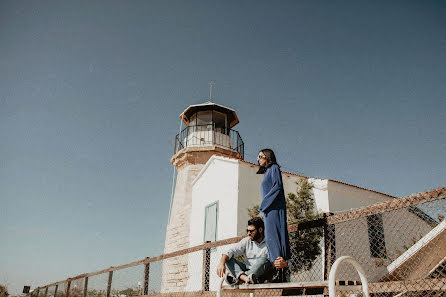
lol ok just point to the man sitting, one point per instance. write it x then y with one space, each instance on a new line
257 267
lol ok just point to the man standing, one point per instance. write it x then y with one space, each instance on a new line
257 267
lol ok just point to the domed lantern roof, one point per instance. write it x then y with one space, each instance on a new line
232 118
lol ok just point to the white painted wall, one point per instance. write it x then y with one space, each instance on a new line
344 197
320 194
217 181
249 193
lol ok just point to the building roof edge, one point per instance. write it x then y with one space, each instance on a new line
330 180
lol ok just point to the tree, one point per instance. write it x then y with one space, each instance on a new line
300 206
304 243
76 289
254 211
129 292
94 293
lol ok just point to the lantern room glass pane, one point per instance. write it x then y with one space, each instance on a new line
220 122
204 118
193 120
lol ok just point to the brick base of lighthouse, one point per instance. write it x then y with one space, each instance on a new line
175 270
189 163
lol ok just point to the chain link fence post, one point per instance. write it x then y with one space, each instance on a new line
206 267
67 290
146 277
329 245
85 287
109 283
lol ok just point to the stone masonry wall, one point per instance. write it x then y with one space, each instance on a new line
175 272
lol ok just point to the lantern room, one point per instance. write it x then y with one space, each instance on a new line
209 125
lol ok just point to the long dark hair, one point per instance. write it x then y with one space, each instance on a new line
270 160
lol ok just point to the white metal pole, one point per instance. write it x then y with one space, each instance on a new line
332 276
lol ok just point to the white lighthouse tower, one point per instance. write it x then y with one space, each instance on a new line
208 132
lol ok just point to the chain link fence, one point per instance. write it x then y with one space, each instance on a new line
401 244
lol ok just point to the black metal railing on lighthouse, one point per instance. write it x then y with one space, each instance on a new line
209 135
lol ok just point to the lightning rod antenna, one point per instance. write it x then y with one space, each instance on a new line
211 83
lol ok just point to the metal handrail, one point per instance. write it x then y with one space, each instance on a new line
206 135
359 269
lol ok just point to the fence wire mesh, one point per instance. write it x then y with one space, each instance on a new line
401 246
76 288
395 245
403 251
62 289
41 292
128 282
97 285
51 291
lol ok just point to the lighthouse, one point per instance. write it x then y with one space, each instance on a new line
208 132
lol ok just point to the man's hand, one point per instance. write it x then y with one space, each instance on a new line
221 268
280 263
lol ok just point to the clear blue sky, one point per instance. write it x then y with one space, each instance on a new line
90 93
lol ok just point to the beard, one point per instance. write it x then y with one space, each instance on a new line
257 236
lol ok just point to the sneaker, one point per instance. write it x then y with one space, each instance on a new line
281 275
230 280
252 279
277 276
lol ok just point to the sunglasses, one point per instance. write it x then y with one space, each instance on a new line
250 230
260 157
